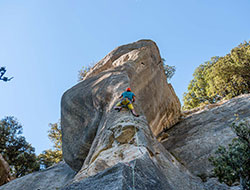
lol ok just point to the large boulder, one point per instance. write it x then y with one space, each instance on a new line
4 171
199 135
86 106
53 178
104 143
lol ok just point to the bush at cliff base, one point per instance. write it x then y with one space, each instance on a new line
232 164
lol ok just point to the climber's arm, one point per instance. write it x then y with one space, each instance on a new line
133 100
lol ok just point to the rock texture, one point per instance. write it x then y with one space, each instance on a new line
52 178
123 176
4 171
126 139
197 137
115 150
104 143
87 107
213 184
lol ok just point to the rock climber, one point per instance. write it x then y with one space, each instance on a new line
127 98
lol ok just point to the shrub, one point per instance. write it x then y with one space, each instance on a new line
232 164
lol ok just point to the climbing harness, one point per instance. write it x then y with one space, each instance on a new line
125 99
126 105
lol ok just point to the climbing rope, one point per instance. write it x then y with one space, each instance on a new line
133 167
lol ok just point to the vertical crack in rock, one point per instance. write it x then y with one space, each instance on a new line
119 138
111 150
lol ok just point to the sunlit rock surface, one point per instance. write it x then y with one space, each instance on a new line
87 107
198 136
115 150
53 178
100 140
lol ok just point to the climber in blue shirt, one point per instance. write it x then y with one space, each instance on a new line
127 98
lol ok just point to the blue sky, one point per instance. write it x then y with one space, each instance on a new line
44 44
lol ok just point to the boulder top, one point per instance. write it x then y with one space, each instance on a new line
106 62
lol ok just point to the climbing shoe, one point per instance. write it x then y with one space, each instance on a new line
118 109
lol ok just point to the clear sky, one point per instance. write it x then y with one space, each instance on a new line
44 43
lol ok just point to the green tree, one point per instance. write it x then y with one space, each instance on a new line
52 156
198 93
19 154
232 164
169 70
220 78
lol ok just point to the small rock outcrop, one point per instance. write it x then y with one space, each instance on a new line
53 178
198 136
4 171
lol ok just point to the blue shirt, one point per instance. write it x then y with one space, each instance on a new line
128 95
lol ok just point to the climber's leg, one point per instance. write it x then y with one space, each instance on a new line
121 104
131 108
134 114
118 106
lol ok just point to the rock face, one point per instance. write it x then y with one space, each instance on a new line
115 150
4 171
133 175
197 137
87 108
213 184
128 140
52 178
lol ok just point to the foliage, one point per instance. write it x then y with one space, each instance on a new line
15 149
50 157
83 72
169 70
232 164
220 78
198 87
55 135
2 72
